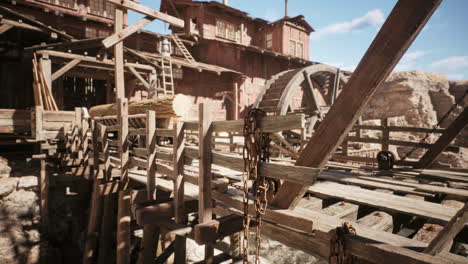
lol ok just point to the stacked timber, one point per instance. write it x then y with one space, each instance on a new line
42 92
166 107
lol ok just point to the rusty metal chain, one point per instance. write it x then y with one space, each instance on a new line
437 126
338 253
256 149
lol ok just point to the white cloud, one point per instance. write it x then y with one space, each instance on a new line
456 77
349 68
451 63
335 64
374 18
408 62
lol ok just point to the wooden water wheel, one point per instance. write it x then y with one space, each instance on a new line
310 90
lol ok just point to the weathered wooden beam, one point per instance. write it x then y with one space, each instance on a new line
162 212
4 28
35 23
126 32
65 69
94 218
149 12
451 229
123 227
444 140
213 230
298 174
204 179
404 23
93 60
139 77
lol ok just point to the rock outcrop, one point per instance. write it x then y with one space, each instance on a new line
420 99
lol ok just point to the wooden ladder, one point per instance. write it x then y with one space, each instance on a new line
167 77
183 49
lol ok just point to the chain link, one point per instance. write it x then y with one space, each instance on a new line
436 126
338 253
256 149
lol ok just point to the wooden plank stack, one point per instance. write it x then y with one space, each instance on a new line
42 93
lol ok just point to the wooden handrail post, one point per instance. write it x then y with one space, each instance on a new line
204 178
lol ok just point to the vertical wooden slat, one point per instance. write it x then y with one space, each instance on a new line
118 55
95 143
204 178
385 133
44 185
76 146
180 216
404 23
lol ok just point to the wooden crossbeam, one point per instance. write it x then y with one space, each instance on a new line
149 12
35 23
4 28
444 140
126 32
65 69
213 230
139 77
451 229
404 23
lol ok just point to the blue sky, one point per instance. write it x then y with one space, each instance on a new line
345 29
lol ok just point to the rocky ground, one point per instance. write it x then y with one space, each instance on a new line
22 239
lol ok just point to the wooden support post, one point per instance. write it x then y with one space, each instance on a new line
451 229
393 39
444 140
385 133
95 143
204 178
122 116
76 145
118 53
44 187
84 140
38 112
150 231
179 192
106 238
64 69
94 218
123 227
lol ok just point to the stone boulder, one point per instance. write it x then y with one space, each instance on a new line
28 183
19 203
419 99
5 170
7 186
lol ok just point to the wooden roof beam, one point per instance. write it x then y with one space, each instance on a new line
149 12
71 56
126 32
444 140
404 23
65 68
34 23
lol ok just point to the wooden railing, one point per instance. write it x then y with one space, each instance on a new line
385 141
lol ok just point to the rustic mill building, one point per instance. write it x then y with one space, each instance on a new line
219 127
233 52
